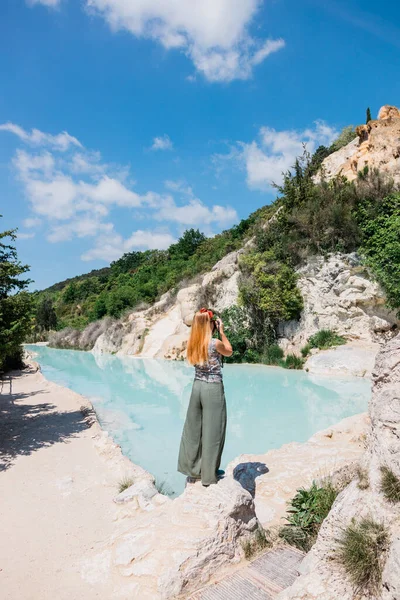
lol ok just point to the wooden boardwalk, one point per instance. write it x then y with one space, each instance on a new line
262 579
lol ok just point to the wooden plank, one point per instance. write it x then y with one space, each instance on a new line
234 587
262 579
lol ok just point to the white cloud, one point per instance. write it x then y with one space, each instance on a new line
274 152
214 34
73 193
61 141
82 227
25 236
25 163
179 186
195 213
162 143
31 222
266 49
113 246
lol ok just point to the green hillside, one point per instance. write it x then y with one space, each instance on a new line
309 219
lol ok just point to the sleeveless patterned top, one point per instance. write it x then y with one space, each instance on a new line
212 370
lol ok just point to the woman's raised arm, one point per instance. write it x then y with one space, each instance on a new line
223 346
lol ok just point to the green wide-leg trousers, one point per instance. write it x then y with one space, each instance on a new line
203 436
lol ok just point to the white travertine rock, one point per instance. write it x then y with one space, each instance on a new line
162 330
338 295
353 359
274 477
187 299
178 545
322 576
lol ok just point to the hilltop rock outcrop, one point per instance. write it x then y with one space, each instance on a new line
377 146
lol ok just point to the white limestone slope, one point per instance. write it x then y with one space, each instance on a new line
163 330
323 577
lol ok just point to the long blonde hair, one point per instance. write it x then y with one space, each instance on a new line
200 336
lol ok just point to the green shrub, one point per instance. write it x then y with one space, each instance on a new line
380 224
164 488
361 550
390 485
257 543
325 338
305 351
272 355
363 480
270 286
251 356
292 362
125 483
306 512
346 136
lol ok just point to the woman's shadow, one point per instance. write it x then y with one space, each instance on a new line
246 474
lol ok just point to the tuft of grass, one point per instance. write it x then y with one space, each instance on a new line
363 481
247 549
362 552
272 355
257 543
305 351
163 488
125 483
306 512
325 338
390 485
292 362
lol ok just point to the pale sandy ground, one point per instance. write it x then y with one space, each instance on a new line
55 500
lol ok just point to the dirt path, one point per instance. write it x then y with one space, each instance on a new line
55 504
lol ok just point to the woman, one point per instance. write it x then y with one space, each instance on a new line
203 435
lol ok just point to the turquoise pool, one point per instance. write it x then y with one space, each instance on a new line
142 403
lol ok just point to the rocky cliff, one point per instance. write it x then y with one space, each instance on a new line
162 330
377 145
323 577
338 293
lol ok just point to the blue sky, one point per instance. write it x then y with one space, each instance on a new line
124 122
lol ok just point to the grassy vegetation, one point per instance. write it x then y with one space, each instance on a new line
308 218
390 485
363 479
260 541
325 338
125 483
361 551
137 278
306 512
163 488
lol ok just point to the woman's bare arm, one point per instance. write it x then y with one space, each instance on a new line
223 346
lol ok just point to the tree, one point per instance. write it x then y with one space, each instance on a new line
347 135
15 304
46 318
369 118
71 293
187 244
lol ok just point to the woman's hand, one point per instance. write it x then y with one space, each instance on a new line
223 345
